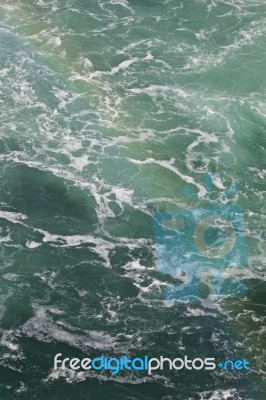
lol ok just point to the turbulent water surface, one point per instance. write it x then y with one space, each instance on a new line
108 109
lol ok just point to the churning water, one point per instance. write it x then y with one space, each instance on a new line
109 109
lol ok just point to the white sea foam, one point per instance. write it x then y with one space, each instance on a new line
7 341
15 218
11 277
72 376
31 244
122 66
102 247
220 395
169 165
42 327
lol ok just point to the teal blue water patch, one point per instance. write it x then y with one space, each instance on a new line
112 113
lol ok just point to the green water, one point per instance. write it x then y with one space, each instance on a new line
108 109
